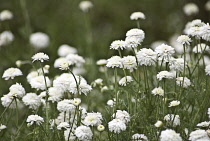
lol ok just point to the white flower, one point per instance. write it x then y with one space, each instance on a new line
134 37
204 124
170 135
6 15
93 119
174 103
55 94
17 90
70 137
199 48
139 137
8 101
137 15
97 82
122 115
11 73
65 65
136 33
85 6
101 62
179 82
82 87
59 61
118 44
110 103
205 32
132 42
6 38
158 91
146 57
158 124
165 74
116 126
177 64
114 61
190 9
199 135
32 100
83 133
129 62
172 118
65 106
76 101
164 52
63 82
2 127
207 70
32 75
63 125
35 119
184 39
39 82
125 80
40 57
39 40
75 59
100 128
64 50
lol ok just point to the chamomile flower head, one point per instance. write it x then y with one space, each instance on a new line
136 33
118 44
180 80
2 127
75 59
64 65
205 32
6 38
165 75
11 73
117 126
177 64
164 52
32 75
32 100
8 101
83 133
55 94
114 61
63 125
125 80
110 103
39 40
146 57
65 106
132 42
76 101
129 62
199 135
122 115
65 49
174 103
199 48
158 91
137 16
93 119
170 135
17 90
63 82
172 119
134 37
158 124
39 82
203 124
6 15
100 128
40 57
35 119
190 9
184 39
85 6
139 137
101 62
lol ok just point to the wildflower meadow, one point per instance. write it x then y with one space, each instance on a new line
76 78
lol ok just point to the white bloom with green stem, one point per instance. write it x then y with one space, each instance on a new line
83 133
11 73
170 135
32 100
39 40
117 126
40 57
137 16
35 119
6 15
65 49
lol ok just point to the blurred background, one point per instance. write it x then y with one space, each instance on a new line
108 20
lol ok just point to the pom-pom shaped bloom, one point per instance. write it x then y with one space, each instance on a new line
35 119
85 6
180 80
114 61
184 39
32 100
64 50
129 62
125 80
170 135
75 59
158 124
55 94
122 115
146 57
40 57
93 119
6 38
172 119
199 48
199 135
39 40
158 91
65 106
137 16
83 133
8 101
205 32
165 74
203 124
39 82
139 137
174 103
76 101
6 15
118 44
190 9
177 64
11 73
59 61
100 128
134 37
164 52
101 62
117 126
63 125
17 90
